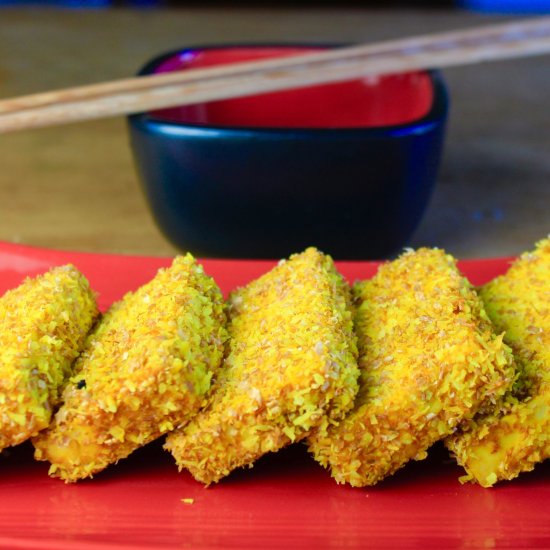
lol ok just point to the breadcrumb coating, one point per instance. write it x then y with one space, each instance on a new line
43 325
291 366
515 435
428 358
146 370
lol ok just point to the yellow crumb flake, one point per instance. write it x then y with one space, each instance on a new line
291 367
146 370
428 358
514 436
43 325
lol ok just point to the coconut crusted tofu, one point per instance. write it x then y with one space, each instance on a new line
428 358
515 435
146 370
291 365
43 325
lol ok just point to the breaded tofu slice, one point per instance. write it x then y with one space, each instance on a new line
515 435
146 370
428 358
43 325
291 365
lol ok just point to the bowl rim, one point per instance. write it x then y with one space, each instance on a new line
437 112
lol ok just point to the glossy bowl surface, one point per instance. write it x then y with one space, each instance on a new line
346 167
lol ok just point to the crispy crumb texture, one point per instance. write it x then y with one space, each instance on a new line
291 367
146 370
43 325
514 436
428 358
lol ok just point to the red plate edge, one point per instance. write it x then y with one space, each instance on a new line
286 499
18 261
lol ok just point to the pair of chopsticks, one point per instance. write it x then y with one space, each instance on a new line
133 95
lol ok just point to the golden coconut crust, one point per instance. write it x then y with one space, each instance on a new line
428 358
291 365
515 435
43 325
146 370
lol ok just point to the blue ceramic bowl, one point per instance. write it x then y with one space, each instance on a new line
346 167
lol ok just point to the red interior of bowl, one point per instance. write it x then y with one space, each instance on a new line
367 102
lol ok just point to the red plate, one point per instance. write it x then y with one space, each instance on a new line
286 499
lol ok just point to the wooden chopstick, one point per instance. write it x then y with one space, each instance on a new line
488 43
